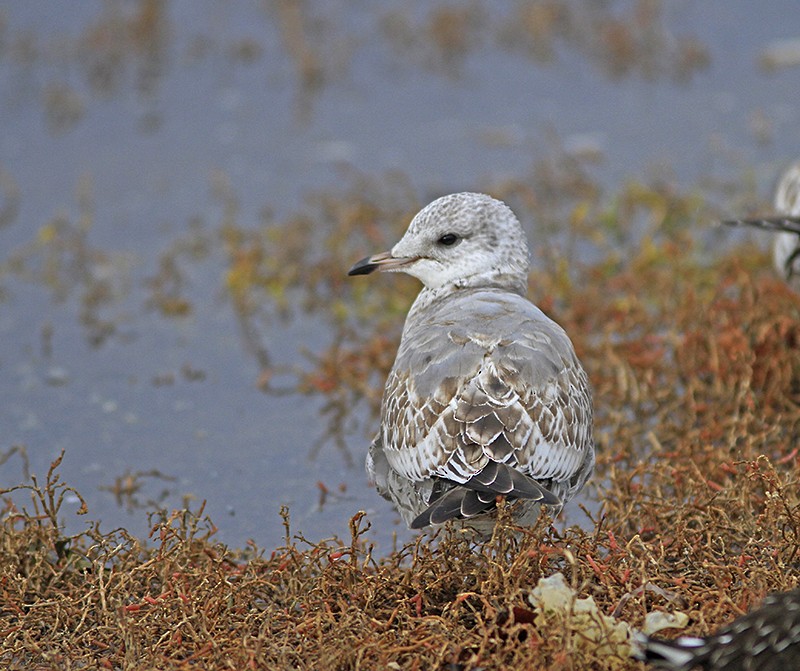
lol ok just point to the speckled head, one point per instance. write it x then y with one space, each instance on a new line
464 239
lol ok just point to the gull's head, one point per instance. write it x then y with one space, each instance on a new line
461 239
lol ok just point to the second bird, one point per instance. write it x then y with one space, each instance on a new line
786 246
486 397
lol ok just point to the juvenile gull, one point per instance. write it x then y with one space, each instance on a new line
765 639
486 397
786 246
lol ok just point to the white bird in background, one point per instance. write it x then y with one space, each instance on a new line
486 397
786 247
765 639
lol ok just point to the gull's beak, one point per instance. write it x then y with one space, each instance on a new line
779 223
382 261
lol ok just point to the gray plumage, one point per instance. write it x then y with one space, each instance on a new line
486 397
786 226
766 639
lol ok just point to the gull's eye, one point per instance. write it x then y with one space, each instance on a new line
448 239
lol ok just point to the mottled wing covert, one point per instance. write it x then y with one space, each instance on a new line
488 378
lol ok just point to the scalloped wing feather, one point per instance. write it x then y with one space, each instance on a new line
461 396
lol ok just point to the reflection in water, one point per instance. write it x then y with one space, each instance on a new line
126 36
168 287
62 259
127 489
64 108
10 197
302 44
23 456
136 43
622 39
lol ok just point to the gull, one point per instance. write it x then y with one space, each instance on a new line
765 639
486 397
786 246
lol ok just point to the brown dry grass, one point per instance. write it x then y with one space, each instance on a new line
696 370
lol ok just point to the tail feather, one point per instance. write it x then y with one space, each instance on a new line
478 495
495 478
681 654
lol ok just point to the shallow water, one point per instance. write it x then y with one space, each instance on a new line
124 122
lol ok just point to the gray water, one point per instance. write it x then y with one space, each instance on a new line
134 138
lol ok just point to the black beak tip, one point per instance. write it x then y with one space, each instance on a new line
363 267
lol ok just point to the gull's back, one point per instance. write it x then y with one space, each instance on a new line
481 376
